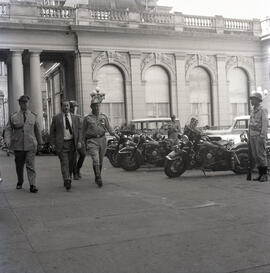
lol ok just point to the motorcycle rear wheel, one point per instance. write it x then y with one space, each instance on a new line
174 168
129 162
113 158
242 168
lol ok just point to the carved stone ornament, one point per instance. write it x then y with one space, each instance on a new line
206 61
240 61
110 57
158 58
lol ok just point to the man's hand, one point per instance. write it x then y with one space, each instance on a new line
79 145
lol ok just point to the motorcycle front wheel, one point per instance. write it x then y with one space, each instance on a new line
174 168
129 162
242 168
113 158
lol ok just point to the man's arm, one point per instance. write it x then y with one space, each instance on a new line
37 133
264 122
8 133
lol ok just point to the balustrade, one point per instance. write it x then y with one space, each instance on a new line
199 21
157 18
4 9
109 15
177 20
57 12
235 24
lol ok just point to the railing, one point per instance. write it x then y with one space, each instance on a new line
82 15
265 26
199 21
239 25
108 15
157 18
4 9
57 12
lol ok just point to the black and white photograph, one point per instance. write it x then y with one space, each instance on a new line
134 136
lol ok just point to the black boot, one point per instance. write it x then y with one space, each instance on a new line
264 177
98 179
260 171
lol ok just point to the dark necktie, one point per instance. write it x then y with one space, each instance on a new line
24 117
68 126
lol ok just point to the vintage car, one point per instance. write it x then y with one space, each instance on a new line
232 134
152 125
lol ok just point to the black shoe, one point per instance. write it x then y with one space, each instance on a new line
33 189
76 176
19 186
79 174
67 184
98 181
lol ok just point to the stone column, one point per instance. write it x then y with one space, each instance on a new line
35 88
11 105
85 84
17 78
78 82
138 91
182 96
223 103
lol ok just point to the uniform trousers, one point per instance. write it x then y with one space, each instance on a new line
25 158
258 149
96 147
67 157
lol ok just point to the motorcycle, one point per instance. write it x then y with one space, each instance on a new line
115 145
196 150
144 149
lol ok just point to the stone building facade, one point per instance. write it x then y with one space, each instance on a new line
150 62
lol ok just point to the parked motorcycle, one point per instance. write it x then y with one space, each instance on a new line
115 145
196 150
144 149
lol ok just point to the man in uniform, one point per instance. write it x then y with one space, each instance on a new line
173 128
258 135
77 163
23 135
94 127
65 135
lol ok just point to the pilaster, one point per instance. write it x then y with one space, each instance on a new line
182 96
138 90
222 107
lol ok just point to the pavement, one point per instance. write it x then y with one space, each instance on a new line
139 222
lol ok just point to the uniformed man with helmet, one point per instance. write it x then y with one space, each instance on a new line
95 126
258 135
23 136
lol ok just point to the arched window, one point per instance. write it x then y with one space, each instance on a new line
157 92
110 80
200 95
238 92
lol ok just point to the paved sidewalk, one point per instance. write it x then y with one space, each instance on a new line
139 222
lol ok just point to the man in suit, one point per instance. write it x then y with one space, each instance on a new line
65 135
22 135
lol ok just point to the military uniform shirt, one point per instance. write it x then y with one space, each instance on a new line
96 126
24 135
258 122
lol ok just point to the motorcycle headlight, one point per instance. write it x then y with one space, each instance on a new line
185 139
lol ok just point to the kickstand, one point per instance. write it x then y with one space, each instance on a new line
203 172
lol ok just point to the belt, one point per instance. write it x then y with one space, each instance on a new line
96 136
67 140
